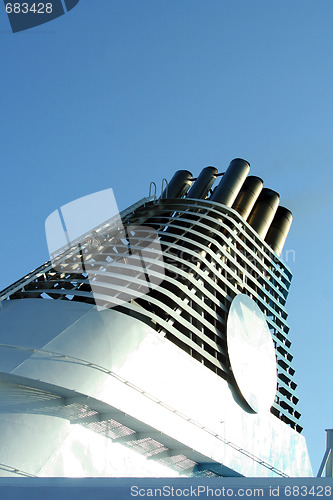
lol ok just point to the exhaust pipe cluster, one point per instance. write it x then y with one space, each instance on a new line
257 205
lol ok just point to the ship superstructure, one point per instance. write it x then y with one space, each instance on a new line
148 369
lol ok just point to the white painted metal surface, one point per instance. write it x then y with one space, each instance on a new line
64 362
251 352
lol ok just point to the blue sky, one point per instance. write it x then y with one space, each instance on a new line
119 93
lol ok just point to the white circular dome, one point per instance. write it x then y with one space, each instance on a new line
251 353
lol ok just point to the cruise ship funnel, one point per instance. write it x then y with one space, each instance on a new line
279 229
124 355
231 182
179 185
200 188
263 211
248 196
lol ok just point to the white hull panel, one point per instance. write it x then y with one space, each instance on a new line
62 361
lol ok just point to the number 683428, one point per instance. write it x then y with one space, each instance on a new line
24 8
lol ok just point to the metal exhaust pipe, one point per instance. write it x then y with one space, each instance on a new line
200 188
248 196
178 186
279 229
263 211
227 190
